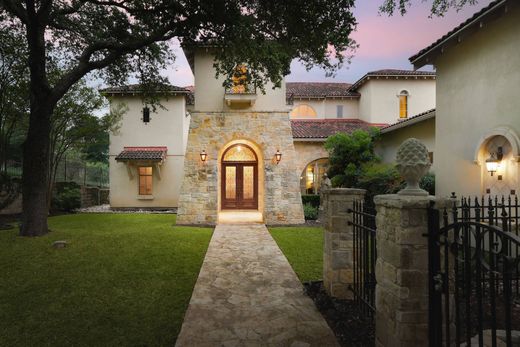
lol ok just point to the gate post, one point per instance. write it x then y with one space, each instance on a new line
338 240
402 270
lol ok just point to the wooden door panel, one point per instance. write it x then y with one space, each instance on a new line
239 189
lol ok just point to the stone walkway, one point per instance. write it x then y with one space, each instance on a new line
248 295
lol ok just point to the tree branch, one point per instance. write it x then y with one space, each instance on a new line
15 8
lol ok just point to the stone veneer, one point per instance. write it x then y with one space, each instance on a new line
402 270
307 152
338 240
279 193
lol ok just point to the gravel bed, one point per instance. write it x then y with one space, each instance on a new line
352 329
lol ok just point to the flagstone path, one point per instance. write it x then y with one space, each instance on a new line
247 294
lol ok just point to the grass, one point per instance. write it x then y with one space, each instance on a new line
303 247
123 280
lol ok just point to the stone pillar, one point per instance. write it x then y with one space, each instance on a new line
402 270
338 240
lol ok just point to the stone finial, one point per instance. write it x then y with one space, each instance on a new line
326 183
413 162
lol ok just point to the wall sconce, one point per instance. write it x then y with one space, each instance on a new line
203 155
278 156
493 162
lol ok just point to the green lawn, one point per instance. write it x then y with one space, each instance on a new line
303 247
124 280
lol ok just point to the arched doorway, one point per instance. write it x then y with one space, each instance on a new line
312 176
239 181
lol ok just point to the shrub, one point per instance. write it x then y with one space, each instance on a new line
378 178
67 199
310 212
428 183
311 199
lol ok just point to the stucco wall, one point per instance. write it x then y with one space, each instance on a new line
166 128
326 108
209 92
477 90
424 131
379 102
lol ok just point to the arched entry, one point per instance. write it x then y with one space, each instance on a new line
312 176
239 181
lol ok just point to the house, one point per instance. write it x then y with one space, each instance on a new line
421 126
477 116
213 151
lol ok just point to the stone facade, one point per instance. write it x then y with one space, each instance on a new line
266 132
307 152
338 240
402 270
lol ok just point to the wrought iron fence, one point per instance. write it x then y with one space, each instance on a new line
474 271
364 256
71 170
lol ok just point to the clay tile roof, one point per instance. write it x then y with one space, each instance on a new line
391 73
474 20
409 121
142 153
318 90
137 88
323 128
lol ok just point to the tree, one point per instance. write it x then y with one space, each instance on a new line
74 125
347 155
438 8
13 90
121 37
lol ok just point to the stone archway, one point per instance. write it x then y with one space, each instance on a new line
223 162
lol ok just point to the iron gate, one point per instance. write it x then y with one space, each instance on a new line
364 256
474 272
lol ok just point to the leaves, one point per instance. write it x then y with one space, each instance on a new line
438 7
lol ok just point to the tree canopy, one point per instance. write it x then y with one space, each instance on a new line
438 7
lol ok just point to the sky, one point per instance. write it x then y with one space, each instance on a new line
384 42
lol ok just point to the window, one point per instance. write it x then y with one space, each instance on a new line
239 79
303 111
146 115
145 180
339 111
403 104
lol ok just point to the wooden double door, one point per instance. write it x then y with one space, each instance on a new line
239 185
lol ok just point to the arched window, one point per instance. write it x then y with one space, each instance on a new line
303 111
403 104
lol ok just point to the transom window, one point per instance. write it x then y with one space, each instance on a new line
403 104
239 153
145 180
303 111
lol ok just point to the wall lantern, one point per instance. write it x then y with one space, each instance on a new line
203 155
278 156
493 162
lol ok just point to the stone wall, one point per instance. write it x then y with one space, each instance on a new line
402 270
338 240
307 152
279 193
93 196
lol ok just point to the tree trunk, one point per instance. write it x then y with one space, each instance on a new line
35 175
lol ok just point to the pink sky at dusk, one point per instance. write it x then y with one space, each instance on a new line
385 42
